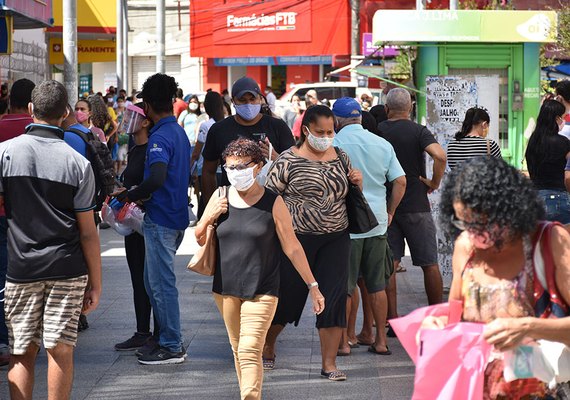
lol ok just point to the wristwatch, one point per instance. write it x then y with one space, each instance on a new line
312 285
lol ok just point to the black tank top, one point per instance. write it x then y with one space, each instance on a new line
249 251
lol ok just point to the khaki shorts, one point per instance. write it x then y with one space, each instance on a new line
47 310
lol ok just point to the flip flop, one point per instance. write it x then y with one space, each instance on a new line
334 375
268 363
401 268
353 345
373 350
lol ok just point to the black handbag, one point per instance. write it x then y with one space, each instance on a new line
361 219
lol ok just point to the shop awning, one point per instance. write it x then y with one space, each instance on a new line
26 14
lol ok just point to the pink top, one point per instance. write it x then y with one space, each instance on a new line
99 132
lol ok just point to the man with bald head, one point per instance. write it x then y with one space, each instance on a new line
412 220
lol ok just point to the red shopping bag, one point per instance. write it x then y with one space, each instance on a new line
451 363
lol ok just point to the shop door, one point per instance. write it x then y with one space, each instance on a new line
503 74
279 79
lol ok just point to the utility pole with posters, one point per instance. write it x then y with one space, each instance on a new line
160 36
70 49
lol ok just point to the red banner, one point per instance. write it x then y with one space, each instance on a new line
280 21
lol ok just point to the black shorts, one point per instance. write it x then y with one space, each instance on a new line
419 231
329 258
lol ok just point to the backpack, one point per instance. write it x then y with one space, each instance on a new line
102 164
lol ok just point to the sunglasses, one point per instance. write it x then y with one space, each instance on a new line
237 167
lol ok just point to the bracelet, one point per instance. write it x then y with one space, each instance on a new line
312 285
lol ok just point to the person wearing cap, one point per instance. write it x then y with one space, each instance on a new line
369 252
412 220
164 192
248 122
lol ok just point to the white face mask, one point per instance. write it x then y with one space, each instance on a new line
193 106
319 143
241 180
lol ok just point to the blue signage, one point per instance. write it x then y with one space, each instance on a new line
282 60
5 34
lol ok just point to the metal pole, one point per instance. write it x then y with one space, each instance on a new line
160 36
355 23
453 4
119 45
70 48
419 5
125 47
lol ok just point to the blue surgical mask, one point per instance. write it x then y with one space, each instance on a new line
248 111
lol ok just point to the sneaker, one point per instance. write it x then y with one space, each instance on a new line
82 324
162 356
147 348
136 341
4 355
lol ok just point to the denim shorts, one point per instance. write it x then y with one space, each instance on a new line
556 205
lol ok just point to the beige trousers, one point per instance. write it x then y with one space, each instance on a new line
247 323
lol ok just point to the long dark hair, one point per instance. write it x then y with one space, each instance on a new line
197 111
311 115
473 116
214 105
541 144
563 89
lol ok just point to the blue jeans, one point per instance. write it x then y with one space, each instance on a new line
160 281
556 204
3 268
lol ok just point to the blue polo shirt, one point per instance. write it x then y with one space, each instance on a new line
377 161
169 144
75 141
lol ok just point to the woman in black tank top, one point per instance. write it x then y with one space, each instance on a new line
254 224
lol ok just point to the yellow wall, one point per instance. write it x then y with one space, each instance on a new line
90 13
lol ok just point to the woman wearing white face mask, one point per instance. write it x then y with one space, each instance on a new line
188 119
314 184
253 226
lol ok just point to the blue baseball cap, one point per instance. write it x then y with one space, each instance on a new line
347 107
245 85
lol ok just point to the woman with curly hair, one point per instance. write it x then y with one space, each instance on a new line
101 119
254 224
546 156
494 214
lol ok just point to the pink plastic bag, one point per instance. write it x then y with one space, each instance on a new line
406 328
451 363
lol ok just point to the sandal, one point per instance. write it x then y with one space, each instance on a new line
334 375
268 363
353 345
373 350
401 268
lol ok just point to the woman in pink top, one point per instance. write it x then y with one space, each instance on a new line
83 116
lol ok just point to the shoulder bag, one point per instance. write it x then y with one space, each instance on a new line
361 219
204 261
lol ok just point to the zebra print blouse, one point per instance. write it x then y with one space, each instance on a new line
314 191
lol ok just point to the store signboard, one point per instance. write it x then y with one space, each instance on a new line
368 47
448 98
88 51
5 34
464 26
284 60
262 22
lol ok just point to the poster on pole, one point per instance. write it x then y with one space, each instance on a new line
448 99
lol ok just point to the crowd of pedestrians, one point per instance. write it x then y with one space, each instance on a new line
276 191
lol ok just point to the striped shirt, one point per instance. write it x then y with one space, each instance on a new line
470 147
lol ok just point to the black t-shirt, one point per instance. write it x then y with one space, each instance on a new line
409 141
546 169
224 132
133 175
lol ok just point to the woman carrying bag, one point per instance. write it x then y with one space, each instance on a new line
253 225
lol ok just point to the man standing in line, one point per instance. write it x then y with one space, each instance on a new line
249 123
12 125
165 195
412 220
369 254
55 264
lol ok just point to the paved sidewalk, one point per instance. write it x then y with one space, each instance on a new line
208 373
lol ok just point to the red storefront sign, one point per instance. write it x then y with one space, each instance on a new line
318 28
265 22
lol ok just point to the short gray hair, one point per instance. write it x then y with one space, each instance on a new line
342 122
399 100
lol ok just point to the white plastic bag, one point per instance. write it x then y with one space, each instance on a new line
262 176
109 215
131 216
527 361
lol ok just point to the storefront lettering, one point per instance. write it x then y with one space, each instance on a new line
277 21
95 49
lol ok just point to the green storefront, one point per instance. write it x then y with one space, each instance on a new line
476 42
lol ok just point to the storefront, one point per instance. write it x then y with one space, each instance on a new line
277 43
503 44
96 50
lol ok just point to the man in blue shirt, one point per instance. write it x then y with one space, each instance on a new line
165 195
369 253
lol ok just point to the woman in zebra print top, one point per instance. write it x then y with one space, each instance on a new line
313 182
